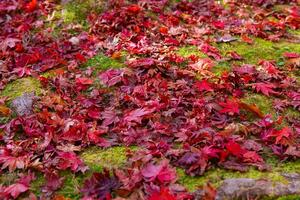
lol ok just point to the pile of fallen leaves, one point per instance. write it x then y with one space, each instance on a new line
175 108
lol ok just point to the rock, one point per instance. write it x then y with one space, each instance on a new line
226 38
74 40
246 188
23 105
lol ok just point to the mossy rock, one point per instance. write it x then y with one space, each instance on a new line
19 87
216 175
72 184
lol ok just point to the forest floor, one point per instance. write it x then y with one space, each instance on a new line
69 19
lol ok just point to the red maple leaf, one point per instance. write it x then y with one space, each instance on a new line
230 106
161 172
70 160
137 114
19 187
84 81
134 9
283 136
235 149
12 162
203 85
163 194
31 6
16 189
265 88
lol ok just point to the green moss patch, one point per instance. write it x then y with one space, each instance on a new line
187 51
36 185
21 86
76 11
102 62
72 184
261 49
221 67
290 112
8 178
97 158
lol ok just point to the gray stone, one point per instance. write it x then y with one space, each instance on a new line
246 188
22 105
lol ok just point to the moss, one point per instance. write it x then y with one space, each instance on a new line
8 178
36 185
220 68
289 167
78 10
20 86
289 197
261 49
72 184
294 32
290 112
187 51
262 102
97 158
102 62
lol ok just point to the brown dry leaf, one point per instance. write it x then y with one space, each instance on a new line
209 192
251 108
234 128
295 62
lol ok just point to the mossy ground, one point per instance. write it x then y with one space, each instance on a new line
97 158
251 53
115 157
260 49
187 51
75 12
101 62
263 103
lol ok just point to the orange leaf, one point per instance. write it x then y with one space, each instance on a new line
246 39
116 55
4 111
60 197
